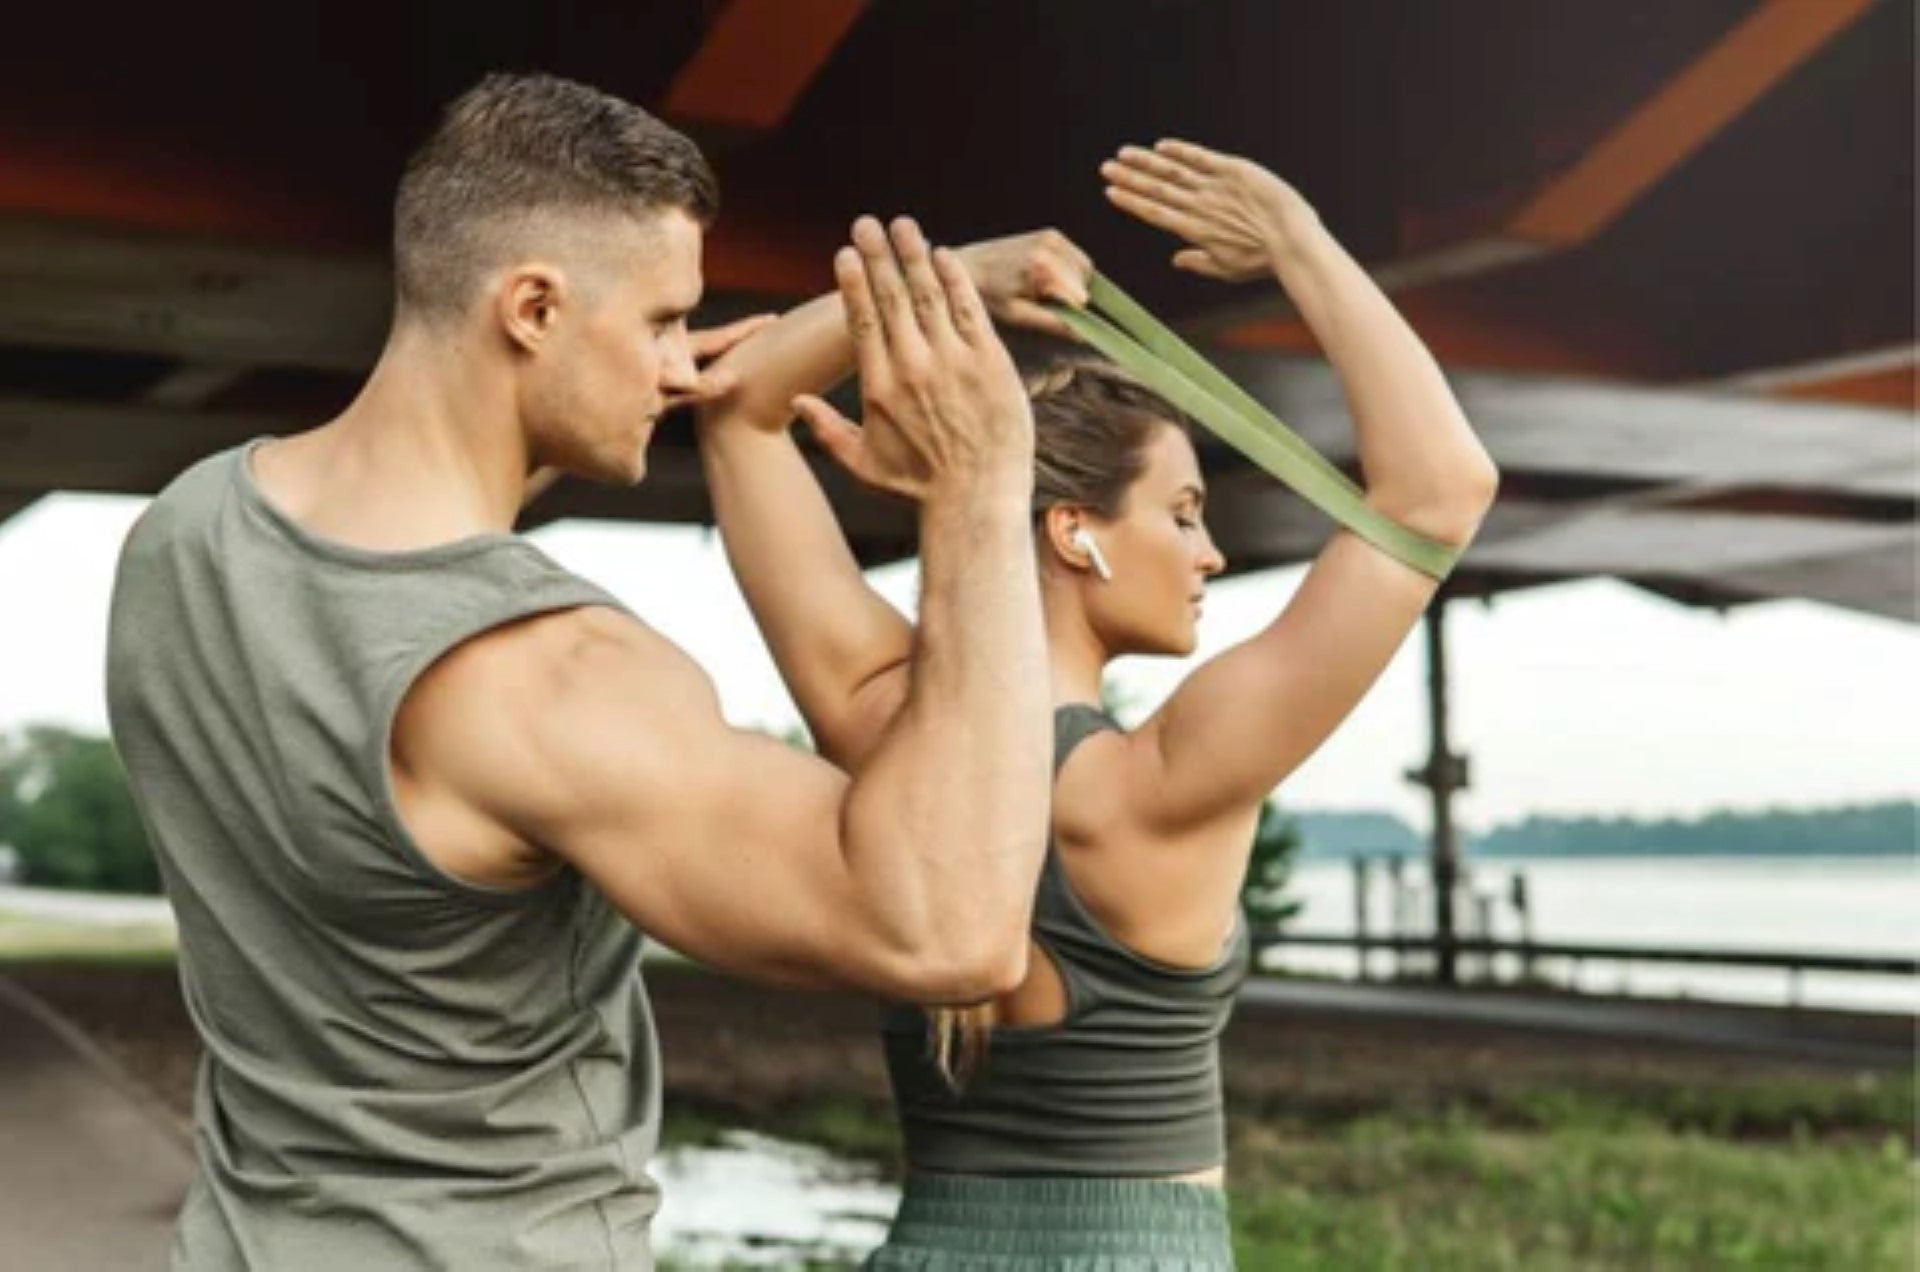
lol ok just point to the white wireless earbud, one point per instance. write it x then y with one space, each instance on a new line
1084 541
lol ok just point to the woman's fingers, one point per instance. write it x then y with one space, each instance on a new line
1161 167
1137 179
1199 158
1196 261
1155 213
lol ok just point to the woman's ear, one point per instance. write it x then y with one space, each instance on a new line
1070 538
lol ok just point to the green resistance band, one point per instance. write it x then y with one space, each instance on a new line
1116 325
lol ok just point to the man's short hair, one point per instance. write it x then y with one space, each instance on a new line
515 148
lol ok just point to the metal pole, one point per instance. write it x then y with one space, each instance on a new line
1360 890
1443 774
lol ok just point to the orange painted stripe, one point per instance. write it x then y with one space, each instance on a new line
758 58
1683 116
1895 387
95 180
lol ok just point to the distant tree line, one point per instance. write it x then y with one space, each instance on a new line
1889 828
1855 830
68 816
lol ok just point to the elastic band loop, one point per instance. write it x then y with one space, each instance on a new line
1122 330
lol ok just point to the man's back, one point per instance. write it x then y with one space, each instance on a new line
402 1069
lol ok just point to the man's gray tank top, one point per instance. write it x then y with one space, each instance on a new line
1128 1083
402 1070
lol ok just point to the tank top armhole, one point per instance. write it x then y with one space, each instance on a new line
1073 985
571 594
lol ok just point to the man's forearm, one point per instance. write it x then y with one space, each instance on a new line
964 774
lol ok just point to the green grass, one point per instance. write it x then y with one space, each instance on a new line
1454 1194
1809 1172
26 939
1841 1106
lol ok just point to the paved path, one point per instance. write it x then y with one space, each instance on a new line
91 1173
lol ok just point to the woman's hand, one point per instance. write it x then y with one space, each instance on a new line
945 411
1236 215
1017 275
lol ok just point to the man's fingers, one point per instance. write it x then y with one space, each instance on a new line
970 321
1154 213
863 316
890 297
839 436
923 284
715 341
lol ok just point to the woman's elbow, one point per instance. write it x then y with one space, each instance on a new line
1448 511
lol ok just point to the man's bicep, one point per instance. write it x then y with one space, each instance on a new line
722 843
734 860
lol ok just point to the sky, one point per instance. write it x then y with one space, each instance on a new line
1587 698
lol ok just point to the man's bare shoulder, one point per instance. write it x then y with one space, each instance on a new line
545 703
590 653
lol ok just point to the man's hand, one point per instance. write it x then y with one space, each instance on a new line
1017 274
1236 215
715 382
708 347
944 407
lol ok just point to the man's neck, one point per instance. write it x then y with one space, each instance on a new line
431 451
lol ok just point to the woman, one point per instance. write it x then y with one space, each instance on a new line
1077 1121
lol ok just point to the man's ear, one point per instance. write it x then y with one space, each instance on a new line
529 302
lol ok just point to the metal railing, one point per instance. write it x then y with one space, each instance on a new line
1529 954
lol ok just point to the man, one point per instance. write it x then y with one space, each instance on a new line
416 790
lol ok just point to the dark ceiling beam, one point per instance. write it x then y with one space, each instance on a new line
133 449
76 286
1651 141
223 308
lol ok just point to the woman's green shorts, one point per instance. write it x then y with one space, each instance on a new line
971 1223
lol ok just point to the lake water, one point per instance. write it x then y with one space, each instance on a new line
1837 905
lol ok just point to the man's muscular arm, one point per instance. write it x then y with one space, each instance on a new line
585 736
